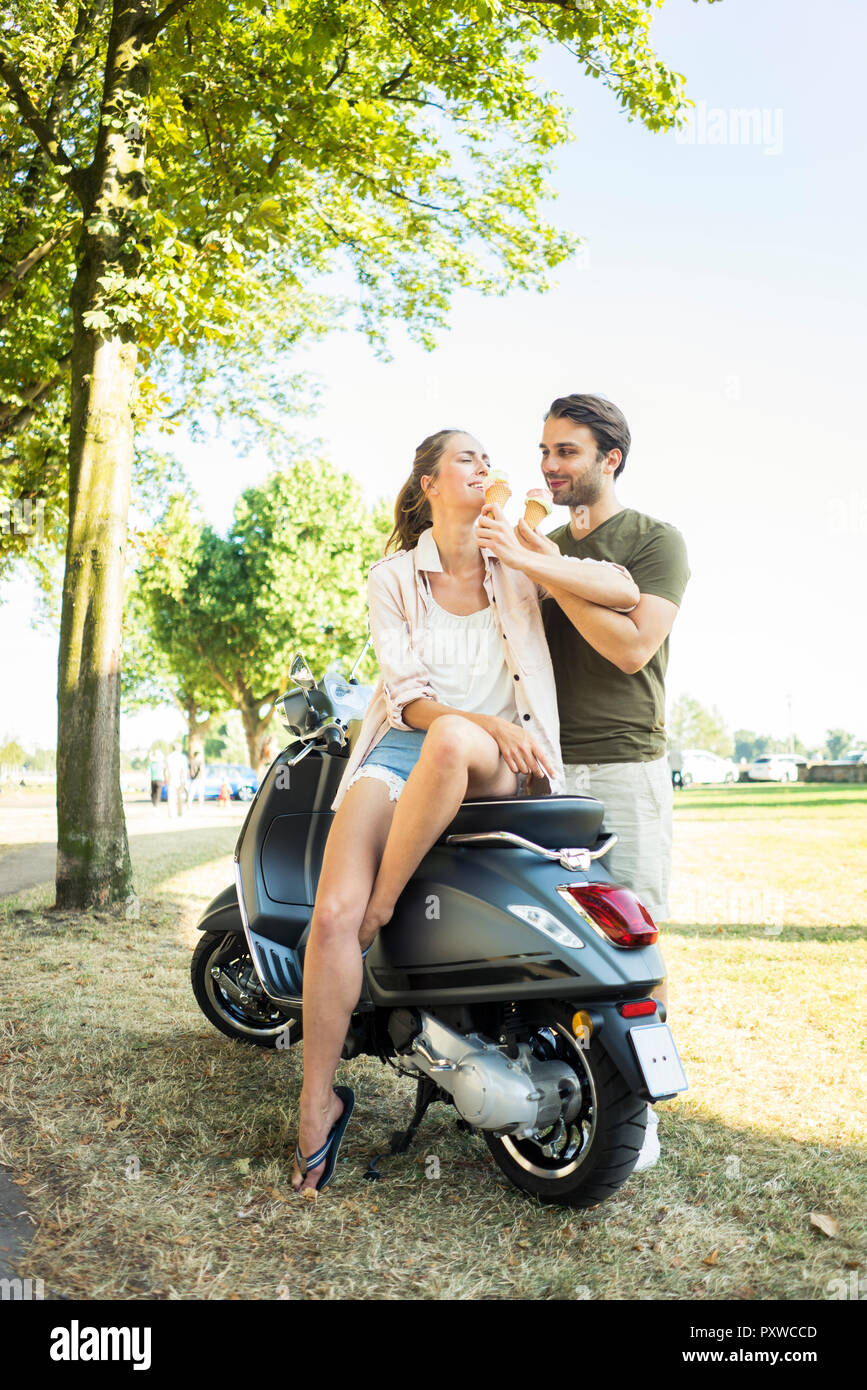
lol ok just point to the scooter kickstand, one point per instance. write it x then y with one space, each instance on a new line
426 1092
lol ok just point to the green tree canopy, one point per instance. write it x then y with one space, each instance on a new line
692 725
189 178
228 613
838 742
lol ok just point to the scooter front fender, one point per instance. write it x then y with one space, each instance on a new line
222 914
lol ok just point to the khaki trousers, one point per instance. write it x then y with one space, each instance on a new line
638 804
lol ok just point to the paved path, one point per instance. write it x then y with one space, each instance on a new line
28 835
16 1229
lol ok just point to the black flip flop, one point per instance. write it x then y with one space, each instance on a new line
332 1143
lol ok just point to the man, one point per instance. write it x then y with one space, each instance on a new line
197 775
156 772
177 774
609 666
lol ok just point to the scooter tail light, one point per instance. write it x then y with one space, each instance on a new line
617 912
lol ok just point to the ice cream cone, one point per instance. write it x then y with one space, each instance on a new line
497 490
538 505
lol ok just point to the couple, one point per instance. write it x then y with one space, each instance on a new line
509 661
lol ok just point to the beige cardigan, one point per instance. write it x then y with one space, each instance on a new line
398 596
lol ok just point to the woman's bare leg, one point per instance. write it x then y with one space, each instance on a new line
332 963
457 759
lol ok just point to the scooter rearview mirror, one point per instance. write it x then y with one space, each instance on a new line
301 674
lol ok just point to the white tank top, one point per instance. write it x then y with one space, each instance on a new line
465 655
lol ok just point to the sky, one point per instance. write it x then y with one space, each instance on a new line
718 298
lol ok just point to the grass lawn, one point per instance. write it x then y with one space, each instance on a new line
154 1153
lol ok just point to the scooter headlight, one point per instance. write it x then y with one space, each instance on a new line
546 922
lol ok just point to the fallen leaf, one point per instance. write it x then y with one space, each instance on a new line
824 1223
712 1258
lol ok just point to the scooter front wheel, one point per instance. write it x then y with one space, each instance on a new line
230 996
581 1162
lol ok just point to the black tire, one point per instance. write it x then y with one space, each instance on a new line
264 1024
600 1147
244 794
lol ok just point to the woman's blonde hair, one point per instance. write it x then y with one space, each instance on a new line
412 513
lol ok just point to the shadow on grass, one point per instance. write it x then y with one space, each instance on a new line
761 933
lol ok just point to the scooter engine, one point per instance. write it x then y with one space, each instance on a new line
491 1089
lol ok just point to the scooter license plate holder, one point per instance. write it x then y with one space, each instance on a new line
658 1060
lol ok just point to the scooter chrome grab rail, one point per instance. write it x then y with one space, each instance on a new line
573 859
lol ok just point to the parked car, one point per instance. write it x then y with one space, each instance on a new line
700 766
776 767
243 781
855 755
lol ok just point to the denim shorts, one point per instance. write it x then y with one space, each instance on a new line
393 759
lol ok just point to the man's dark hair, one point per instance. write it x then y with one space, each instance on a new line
605 421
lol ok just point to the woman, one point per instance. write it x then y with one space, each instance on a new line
465 706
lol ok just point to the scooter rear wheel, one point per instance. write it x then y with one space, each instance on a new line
581 1163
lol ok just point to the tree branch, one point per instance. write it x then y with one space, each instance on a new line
26 264
148 31
67 72
13 417
40 127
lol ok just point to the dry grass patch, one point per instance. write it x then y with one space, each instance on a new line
155 1153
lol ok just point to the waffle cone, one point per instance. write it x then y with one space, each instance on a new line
534 512
498 494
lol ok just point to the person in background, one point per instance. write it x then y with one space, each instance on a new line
177 776
675 762
157 774
197 774
225 793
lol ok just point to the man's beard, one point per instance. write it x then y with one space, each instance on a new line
583 491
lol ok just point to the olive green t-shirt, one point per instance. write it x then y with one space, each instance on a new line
607 716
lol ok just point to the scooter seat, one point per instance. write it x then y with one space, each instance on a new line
554 822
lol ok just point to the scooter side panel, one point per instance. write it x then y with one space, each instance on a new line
453 938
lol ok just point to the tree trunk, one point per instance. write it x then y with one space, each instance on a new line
93 863
255 730
197 729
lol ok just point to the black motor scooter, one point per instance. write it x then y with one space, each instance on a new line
513 980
